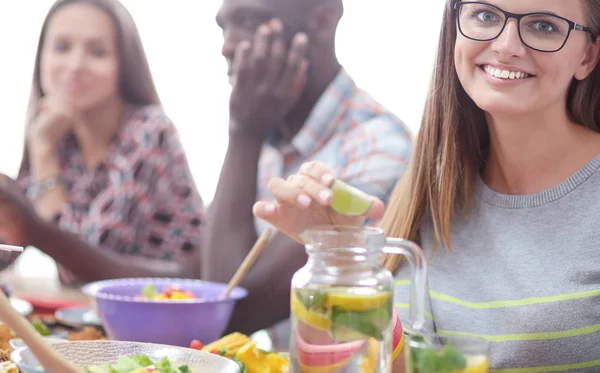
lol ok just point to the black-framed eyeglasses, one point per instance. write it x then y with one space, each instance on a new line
543 32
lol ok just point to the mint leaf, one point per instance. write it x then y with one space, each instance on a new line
451 359
361 322
427 361
311 298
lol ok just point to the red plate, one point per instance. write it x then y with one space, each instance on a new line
49 306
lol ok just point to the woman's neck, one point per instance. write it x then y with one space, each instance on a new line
533 153
97 129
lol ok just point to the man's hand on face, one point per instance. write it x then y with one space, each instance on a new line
268 80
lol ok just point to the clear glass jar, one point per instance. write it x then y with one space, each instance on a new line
342 309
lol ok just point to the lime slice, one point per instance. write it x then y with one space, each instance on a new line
348 200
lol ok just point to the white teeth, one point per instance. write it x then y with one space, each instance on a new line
504 74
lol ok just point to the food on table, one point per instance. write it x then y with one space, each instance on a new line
447 359
138 364
228 345
41 328
149 292
88 333
348 200
196 344
349 314
5 355
8 367
6 334
241 349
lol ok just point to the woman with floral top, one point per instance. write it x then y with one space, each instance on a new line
104 185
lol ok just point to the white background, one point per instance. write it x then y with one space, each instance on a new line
387 46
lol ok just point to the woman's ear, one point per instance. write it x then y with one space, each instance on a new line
590 60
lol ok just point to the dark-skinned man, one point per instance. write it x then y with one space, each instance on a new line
291 102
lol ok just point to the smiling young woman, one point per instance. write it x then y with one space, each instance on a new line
503 188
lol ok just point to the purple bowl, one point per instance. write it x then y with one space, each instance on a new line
176 323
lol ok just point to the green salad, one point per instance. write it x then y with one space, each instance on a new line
138 364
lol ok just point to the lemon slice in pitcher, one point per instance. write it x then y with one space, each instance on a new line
348 200
311 318
476 364
357 301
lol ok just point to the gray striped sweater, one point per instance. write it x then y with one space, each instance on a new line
524 273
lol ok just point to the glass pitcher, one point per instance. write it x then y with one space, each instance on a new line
342 312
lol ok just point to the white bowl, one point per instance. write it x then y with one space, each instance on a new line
86 353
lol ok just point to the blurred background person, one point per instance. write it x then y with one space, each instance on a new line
104 181
291 102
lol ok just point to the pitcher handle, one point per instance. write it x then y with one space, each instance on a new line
418 286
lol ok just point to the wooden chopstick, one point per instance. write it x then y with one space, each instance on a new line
248 262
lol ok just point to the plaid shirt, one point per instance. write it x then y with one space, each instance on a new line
366 145
141 200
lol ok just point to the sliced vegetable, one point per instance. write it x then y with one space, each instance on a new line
196 344
253 360
149 291
41 328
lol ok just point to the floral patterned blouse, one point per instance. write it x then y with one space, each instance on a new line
141 200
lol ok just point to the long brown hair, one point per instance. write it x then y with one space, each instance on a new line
136 85
452 141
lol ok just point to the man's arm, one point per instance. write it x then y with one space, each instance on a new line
268 285
230 233
90 263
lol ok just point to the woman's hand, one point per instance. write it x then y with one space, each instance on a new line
17 215
54 119
304 199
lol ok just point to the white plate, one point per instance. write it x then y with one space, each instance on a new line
21 306
78 316
16 343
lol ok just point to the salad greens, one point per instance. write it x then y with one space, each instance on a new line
138 364
223 352
149 291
